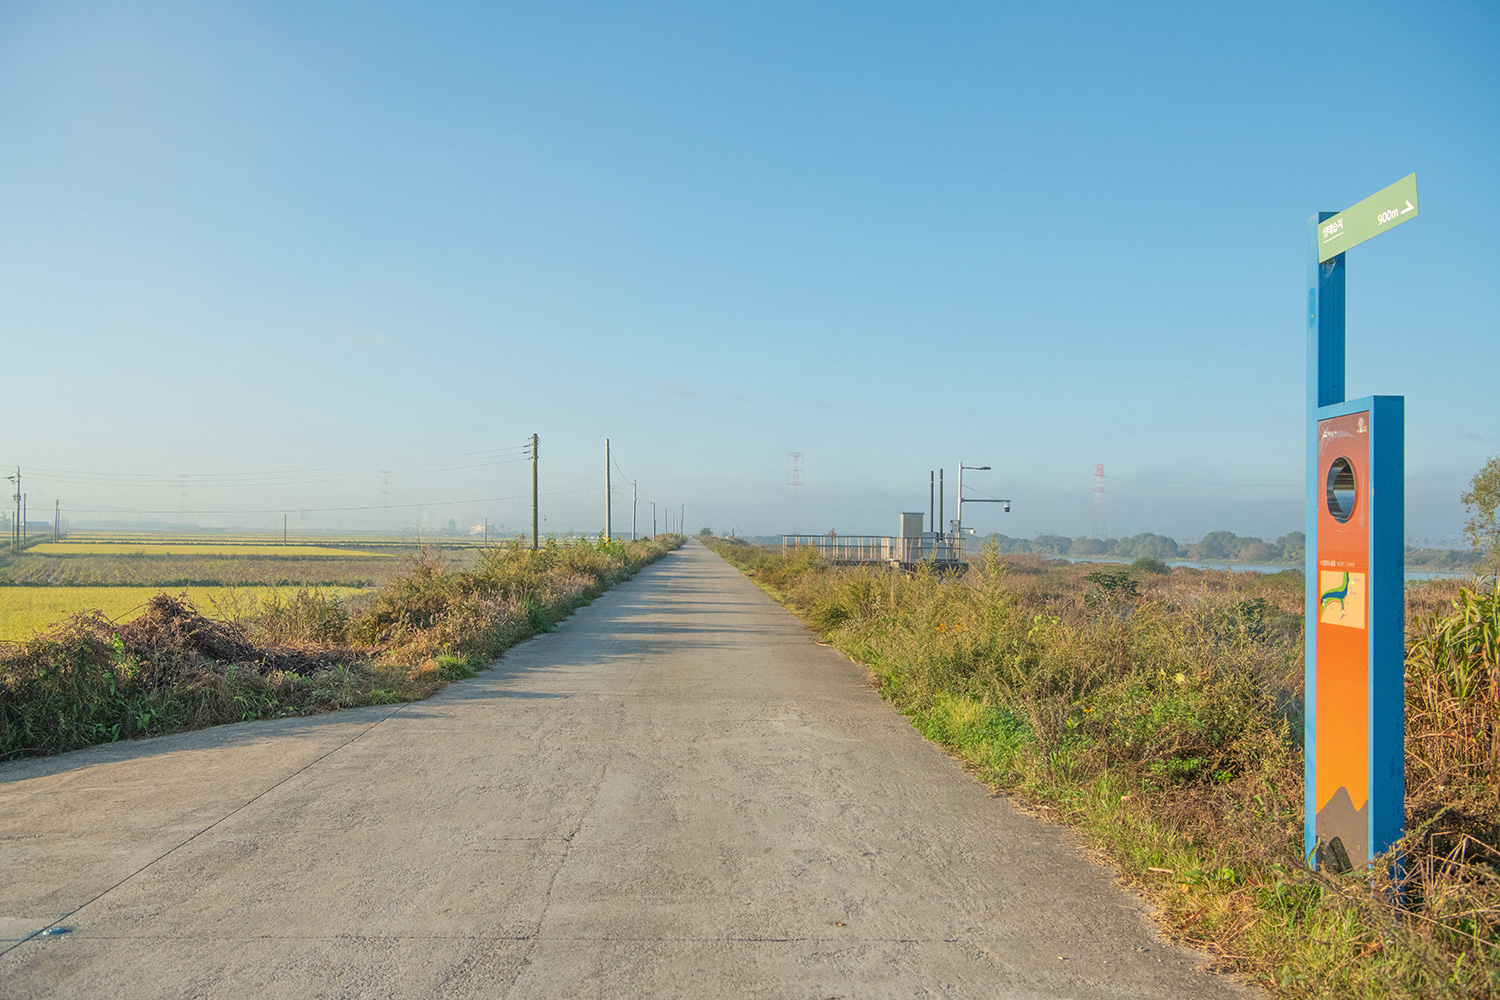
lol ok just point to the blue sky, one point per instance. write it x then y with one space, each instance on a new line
277 248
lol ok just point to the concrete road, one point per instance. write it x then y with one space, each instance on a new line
677 794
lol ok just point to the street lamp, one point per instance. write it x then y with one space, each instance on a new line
961 468
974 468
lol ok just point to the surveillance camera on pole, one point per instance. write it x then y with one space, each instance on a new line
961 498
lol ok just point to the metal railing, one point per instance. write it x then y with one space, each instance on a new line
878 548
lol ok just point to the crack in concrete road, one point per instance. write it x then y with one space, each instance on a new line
39 932
677 793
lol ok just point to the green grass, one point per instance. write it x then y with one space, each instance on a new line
271 652
1159 714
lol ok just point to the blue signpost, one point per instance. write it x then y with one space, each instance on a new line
1355 624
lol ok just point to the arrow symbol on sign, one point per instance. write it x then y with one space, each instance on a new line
1409 207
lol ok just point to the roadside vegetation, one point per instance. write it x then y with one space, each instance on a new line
26 611
1159 712
176 666
1214 547
118 573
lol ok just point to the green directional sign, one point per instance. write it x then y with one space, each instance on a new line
1381 211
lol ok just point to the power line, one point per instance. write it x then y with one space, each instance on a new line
1137 496
182 482
511 449
284 477
325 510
1177 482
382 475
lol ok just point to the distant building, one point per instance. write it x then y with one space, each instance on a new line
912 548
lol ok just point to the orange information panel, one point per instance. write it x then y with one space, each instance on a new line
1343 645
1354 720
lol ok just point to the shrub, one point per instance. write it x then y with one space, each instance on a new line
91 680
1168 725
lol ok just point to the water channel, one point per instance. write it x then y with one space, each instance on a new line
1411 574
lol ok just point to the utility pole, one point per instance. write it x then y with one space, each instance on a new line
534 518
57 520
283 529
653 518
608 526
634 500
682 520
15 527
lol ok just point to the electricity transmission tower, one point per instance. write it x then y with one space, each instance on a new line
796 487
1100 529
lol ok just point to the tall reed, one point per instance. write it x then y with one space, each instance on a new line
1162 714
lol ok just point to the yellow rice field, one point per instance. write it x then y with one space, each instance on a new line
27 610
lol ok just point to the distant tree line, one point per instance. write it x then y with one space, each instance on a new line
1442 559
1216 546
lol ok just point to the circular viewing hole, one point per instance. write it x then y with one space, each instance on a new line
1342 489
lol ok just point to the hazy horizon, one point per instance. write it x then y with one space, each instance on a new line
256 256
